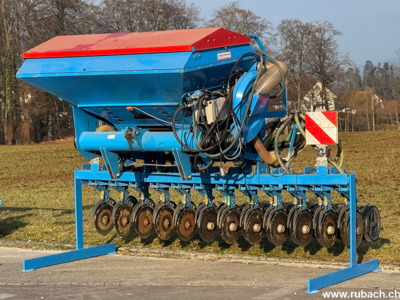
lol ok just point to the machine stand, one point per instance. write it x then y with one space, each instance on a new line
80 252
354 270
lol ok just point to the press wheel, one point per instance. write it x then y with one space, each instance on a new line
291 214
156 209
95 207
326 230
186 223
253 222
345 228
142 218
207 224
276 227
230 227
372 223
220 210
103 218
200 208
301 230
164 223
243 212
122 216
316 214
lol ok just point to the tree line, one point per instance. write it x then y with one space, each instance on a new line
309 48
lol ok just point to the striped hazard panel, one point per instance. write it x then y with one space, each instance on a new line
321 128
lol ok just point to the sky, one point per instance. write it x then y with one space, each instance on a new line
370 28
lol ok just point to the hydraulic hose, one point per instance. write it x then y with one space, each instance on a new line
276 149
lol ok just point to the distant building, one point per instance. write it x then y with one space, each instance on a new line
312 101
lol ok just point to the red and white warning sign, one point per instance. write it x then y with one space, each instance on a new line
321 128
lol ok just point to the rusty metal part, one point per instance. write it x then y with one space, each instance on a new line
164 223
345 228
103 219
268 157
143 220
186 224
95 207
252 230
301 229
276 227
326 231
230 227
157 207
122 217
207 224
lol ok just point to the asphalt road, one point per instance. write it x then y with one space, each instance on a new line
139 277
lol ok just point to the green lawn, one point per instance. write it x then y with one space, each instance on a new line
36 184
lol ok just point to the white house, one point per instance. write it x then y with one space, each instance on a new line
312 101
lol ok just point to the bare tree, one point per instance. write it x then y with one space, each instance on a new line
244 21
326 63
10 109
147 15
295 46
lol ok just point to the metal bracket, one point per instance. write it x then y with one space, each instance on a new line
183 162
112 162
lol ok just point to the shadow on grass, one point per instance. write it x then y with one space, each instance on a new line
266 245
365 246
313 247
61 210
11 224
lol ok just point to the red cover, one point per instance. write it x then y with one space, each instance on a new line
136 43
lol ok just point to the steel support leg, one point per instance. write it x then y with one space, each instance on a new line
80 252
355 269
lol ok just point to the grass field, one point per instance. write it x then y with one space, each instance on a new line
36 184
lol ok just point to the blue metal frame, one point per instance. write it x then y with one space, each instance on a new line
80 252
271 183
354 270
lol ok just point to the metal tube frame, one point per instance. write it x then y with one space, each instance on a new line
80 252
354 270
93 175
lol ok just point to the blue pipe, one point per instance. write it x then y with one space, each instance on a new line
145 141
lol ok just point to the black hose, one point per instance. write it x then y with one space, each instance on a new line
278 133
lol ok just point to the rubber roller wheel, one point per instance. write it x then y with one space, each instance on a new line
276 227
372 223
199 208
316 213
103 218
230 226
186 223
345 228
122 217
224 211
207 224
142 219
326 231
252 229
341 213
291 213
243 212
301 229
222 207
